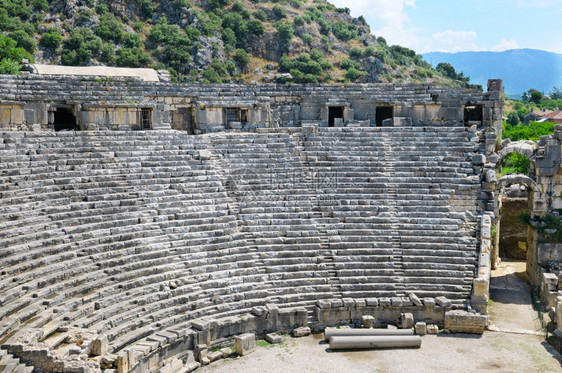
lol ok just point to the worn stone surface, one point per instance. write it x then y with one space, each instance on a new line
273 338
420 328
245 343
302 331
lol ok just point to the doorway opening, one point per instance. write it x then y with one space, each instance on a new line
473 113
334 112
382 113
65 120
146 118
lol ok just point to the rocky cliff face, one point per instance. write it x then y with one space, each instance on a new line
215 40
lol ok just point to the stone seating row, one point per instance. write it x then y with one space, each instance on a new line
114 274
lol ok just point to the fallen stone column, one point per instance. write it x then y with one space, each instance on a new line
367 342
329 332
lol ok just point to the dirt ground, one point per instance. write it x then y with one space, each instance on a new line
513 344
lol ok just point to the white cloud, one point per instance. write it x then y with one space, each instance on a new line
387 18
505 45
452 41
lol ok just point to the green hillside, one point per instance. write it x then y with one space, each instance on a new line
214 41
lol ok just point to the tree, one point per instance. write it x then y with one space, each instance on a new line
241 58
513 118
255 27
534 95
285 31
51 39
446 69
11 55
556 93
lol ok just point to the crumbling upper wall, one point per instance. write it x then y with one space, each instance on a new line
30 102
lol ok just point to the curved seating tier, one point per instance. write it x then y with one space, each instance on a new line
129 233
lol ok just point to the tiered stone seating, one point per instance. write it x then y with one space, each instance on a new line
404 197
128 234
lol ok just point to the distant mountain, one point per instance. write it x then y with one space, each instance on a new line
520 69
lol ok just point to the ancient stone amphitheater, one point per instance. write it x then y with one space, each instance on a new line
126 241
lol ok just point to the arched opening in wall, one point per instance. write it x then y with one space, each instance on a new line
65 120
510 289
334 113
473 114
383 113
512 237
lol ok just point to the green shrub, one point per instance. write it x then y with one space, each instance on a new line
101 8
355 53
81 46
344 31
241 57
515 163
285 31
353 74
347 64
307 39
325 26
210 75
279 12
131 57
298 21
238 7
109 28
132 40
146 7
16 9
51 39
179 4
24 41
9 66
260 14
256 27
107 55
369 51
532 131
229 37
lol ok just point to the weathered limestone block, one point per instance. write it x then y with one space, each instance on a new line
415 300
421 328
214 356
201 351
478 159
368 322
465 322
443 302
226 352
432 329
406 320
273 338
123 362
100 346
245 343
302 331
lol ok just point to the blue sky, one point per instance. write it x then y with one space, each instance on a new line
463 25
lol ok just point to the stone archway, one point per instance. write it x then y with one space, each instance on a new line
525 148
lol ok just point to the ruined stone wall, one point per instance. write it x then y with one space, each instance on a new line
31 101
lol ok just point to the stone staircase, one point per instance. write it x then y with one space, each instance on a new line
11 364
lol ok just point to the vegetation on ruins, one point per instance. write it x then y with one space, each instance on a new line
548 226
515 128
212 41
